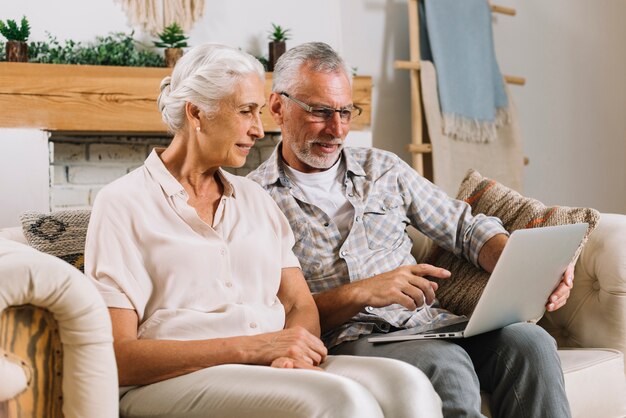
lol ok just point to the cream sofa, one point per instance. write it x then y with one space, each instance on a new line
590 329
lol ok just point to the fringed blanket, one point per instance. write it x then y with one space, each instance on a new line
458 34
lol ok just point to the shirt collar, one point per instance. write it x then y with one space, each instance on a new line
170 185
352 165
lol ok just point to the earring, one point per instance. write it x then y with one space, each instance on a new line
197 129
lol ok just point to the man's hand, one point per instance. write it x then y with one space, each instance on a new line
405 285
558 298
297 344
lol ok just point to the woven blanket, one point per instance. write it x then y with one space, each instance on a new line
459 36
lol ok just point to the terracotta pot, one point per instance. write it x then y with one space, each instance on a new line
172 55
17 51
276 50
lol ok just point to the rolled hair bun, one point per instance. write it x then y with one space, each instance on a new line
203 76
164 100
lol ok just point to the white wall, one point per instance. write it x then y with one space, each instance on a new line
572 108
570 52
24 173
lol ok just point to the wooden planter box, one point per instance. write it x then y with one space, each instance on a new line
85 98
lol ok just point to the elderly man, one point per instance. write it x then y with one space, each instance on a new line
349 208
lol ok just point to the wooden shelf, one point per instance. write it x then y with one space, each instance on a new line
87 98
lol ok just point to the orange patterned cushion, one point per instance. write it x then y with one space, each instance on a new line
461 292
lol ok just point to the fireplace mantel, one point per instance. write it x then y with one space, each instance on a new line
85 98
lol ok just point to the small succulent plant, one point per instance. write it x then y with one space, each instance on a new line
13 32
172 36
278 34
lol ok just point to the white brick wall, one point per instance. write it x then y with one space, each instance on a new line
116 153
81 166
92 174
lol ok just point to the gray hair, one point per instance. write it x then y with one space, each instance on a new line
317 56
203 76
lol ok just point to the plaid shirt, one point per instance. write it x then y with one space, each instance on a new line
387 195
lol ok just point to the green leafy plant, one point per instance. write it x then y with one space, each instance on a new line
278 34
172 36
114 49
13 32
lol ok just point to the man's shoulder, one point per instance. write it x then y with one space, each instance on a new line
261 174
374 160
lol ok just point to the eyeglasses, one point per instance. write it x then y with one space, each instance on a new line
324 114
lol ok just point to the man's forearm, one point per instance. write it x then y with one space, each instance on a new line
338 305
490 253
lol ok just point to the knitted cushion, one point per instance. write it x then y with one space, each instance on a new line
461 292
61 234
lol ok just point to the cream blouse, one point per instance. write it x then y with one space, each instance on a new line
148 250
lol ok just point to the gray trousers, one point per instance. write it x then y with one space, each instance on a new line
518 365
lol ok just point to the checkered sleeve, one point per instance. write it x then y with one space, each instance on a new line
448 222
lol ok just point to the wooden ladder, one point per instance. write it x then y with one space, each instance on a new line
420 146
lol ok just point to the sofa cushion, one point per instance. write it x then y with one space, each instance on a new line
60 233
461 292
594 381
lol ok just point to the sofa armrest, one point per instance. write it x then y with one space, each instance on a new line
595 314
13 233
29 277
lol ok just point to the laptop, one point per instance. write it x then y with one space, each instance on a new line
528 270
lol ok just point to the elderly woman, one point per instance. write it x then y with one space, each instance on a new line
204 292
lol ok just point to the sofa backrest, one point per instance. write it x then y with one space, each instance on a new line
13 233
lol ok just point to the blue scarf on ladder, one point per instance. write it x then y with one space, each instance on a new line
457 36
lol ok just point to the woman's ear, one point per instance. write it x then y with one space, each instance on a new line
193 115
277 108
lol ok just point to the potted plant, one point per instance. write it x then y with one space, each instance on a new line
277 45
173 39
16 46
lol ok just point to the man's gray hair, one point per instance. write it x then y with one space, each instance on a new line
203 76
317 56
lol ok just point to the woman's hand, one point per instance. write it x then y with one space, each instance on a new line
290 348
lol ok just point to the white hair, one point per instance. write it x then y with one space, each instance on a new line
203 76
317 56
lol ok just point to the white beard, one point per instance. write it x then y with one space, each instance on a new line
321 162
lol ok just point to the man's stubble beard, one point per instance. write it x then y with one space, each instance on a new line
322 162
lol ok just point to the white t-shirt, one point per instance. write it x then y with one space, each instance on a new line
324 190
148 250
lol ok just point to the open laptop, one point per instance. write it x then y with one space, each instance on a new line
528 270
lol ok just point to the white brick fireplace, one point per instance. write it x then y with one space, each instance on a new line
80 165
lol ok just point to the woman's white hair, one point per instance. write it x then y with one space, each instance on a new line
203 76
317 56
